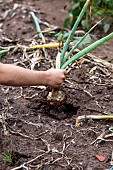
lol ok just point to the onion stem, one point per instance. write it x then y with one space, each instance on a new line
94 117
50 45
37 26
73 30
76 45
87 50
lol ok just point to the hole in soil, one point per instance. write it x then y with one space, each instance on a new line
62 112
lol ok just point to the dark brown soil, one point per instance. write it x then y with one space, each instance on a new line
39 136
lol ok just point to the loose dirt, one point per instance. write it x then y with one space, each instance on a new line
39 136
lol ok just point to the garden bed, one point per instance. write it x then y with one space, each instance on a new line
39 136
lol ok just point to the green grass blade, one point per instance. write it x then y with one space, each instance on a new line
87 50
76 45
3 52
37 26
73 30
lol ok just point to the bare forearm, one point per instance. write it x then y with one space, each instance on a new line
11 75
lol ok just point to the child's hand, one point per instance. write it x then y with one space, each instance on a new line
55 77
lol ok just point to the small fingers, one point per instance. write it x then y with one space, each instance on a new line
65 72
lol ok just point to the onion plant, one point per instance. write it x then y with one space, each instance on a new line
80 119
65 61
56 97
